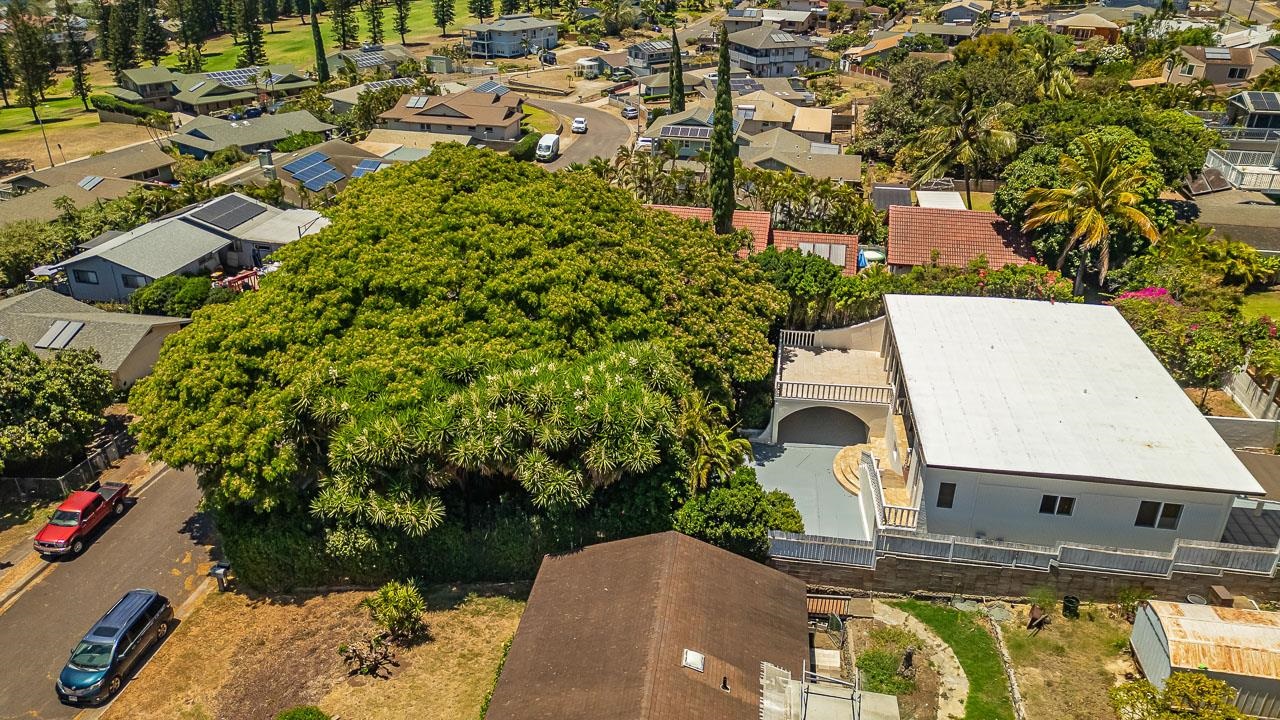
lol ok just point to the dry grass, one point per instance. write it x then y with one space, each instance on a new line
1064 672
1218 403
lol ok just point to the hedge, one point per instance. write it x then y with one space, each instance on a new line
111 103
526 147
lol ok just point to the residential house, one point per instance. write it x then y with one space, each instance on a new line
766 51
405 145
742 19
802 22
1218 65
210 92
840 250
636 628
511 36
660 83
791 89
760 111
44 205
950 34
925 236
1237 645
138 162
875 47
321 169
372 58
813 124
345 99
964 11
1254 109
689 131
649 56
1014 435
1120 14
127 344
197 240
782 150
492 115
1082 26
206 135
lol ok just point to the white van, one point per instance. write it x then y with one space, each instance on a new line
548 148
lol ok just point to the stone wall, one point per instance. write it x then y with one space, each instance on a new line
909 575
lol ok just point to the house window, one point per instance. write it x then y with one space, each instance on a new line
1164 516
1237 73
1057 505
946 495
88 277
1186 70
133 281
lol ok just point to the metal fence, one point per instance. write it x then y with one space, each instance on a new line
82 475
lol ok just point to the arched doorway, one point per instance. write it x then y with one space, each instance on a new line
822 426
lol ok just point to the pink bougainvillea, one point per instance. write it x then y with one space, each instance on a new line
1146 293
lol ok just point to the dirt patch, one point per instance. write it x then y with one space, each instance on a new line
1217 403
921 703
76 142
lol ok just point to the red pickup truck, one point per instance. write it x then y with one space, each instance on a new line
78 516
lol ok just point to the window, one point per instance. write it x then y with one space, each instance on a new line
1057 505
1164 516
88 277
1237 73
1186 71
946 495
133 281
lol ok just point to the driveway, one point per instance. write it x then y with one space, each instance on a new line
158 544
605 133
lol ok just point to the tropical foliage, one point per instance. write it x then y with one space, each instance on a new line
49 408
1186 696
397 608
177 296
738 515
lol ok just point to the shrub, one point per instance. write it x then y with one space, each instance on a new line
879 671
525 149
111 103
297 141
303 712
397 607
177 296
739 516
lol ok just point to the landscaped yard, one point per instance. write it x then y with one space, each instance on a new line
1262 303
1065 670
249 657
975 648
879 649
540 120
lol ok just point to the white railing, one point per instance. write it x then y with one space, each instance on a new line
1231 164
1242 133
797 338
874 394
887 516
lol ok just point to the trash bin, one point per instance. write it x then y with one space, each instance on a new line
222 573
1071 606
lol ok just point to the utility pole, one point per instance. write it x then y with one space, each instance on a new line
40 122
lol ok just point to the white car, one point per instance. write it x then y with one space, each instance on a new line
579 125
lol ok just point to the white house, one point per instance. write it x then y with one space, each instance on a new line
1017 420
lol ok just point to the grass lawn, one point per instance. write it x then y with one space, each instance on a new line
982 201
238 656
975 648
1262 303
1065 670
541 121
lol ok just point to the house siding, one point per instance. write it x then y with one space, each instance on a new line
139 362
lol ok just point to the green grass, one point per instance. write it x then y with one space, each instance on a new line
975 648
56 112
541 121
1262 303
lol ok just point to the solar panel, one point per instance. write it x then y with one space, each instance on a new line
417 101
493 87
781 37
57 327
197 86
64 336
312 171
369 163
305 161
90 182
686 131
241 77
361 172
394 82
1217 54
368 59
228 212
319 183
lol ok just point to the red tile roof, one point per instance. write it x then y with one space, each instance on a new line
758 223
789 239
958 237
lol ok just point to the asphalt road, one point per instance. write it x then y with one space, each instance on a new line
605 133
156 544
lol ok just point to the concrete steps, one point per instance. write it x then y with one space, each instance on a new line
846 468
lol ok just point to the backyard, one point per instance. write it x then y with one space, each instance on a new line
1262 303
975 648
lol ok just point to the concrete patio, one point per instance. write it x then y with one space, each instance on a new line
805 472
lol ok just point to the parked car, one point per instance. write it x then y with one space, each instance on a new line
253 112
600 45
78 516
579 125
548 148
548 58
630 112
644 144
98 664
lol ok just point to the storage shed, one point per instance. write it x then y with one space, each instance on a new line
1239 647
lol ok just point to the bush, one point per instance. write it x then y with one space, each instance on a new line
111 103
397 607
525 149
879 671
738 517
303 712
297 141
177 296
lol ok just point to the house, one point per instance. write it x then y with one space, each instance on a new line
197 240
44 205
637 629
1254 109
405 145
760 111
782 150
373 58
660 83
210 92
321 168
1013 434
1120 14
206 135
791 89
1239 646
813 124
884 197
800 22
1249 217
925 236
1218 65
127 344
766 51
964 11
488 113
689 131
742 19
1082 26
346 98
839 250
511 36
876 47
648 56
950 34
138 162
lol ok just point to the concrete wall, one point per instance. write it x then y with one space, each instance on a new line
144 355
865 336
1007 507
1241 433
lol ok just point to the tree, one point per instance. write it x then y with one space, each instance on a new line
33 69
1048 61
617 15
345 26
48 408
713 447
121 37
401 22
723 149
1101 194
6 71
373 17
677 76
253 51
177 296
231 14
480 9
738 515
317 44
509 6
1186 696
150 39
967 134
76 50
271 13
372 103
442 11
1267 81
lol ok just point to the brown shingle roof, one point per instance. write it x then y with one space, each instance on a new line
958 236
606 627
1235 56
470 109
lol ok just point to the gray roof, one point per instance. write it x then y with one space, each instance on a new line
942 29
150 75
27 317
767 37
116 163
513 23
42 204
350 95
212 134
156 249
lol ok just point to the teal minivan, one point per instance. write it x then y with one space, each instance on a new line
98 665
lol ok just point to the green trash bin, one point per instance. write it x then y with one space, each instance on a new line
1071 606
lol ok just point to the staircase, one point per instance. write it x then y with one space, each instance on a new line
846 468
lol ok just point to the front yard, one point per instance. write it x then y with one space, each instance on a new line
240 656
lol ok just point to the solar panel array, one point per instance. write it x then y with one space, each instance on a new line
241 77
327 176
368 59
1217 53
59 334
744 85
685 131
368 165
493 87
394 82
90 182
781 37
417 101
228 212
304 162
1264 100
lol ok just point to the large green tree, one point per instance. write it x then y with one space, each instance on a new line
676 76
1186 696
253 51
373 20
1048 61
467 323
482 10
724 151
317 43
6 70
967 134
738 514
33 67
346 27
400 22
76 51
48 408
442 11
150 36
121 40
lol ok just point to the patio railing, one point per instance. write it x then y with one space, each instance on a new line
887 516
874 394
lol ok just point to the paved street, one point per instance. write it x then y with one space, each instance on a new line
605 133
154 545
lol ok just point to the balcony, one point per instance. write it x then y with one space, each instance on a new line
807 371
1247 170
897 503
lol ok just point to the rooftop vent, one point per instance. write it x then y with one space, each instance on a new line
694 660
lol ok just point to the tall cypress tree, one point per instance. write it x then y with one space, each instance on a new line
150 39
401 24
271 13
345 25
253 51
373 16
508 6
480 9
121 33
443 12
677 76
104 25
723 149
32 67
231 19
6 70
76 51
317 42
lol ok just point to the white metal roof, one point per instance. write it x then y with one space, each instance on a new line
945 199
1053 389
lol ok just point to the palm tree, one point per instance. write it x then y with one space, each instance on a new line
1101 197
714 448
1174 59
1049 65
964 134
1268 81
